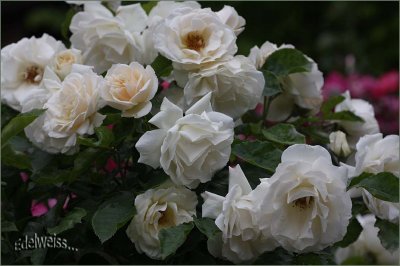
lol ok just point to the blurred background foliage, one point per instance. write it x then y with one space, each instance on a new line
326 31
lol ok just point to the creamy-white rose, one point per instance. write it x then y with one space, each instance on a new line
130 88
305 206
71 112
230 17
376 154
368 246
240 239
192 38
22 67
338 143
64 60
106 39
363 109
158 209
302 89
236 86
189 148
164 8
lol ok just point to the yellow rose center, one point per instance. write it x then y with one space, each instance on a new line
194 40
303 203
33 74
166 219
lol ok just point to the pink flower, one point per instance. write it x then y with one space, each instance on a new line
110 126
334 84
259 109
38 209
386 84
110 165
24 176
361 85
165 85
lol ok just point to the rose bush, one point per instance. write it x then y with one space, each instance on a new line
147 139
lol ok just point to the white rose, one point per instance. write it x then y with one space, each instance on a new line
64 60
164 8
240 240
192 38
363 109
338 143
230 17
158 209
71 111
106 39
189 148
22 68
368 245
237 86
130 88
302 89
374 155
305 206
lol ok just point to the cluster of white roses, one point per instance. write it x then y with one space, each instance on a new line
302 207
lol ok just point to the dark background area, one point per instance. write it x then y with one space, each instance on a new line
326 31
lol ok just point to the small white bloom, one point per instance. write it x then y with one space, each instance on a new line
158 209
376 154
130 88
230 17
189 148
363 109
64 60
302 89
305 206
240 240
338 143
164 8
192 38
71 111
368 244
106 39
22 67
237 86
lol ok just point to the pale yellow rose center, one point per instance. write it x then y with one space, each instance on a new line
65 59
167 218
303 203
33 74
194 40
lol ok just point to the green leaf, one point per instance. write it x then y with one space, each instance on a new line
162 66
259 153
272 84
287 61
207 226
53 177
112 215
172 238
328 106
284 134
344 115
7 226
317 258
68 222
384 186
278 256
15 158
354 230
104 135
388 234
149 6
17 125
356 260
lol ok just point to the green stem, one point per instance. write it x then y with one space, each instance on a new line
267 103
